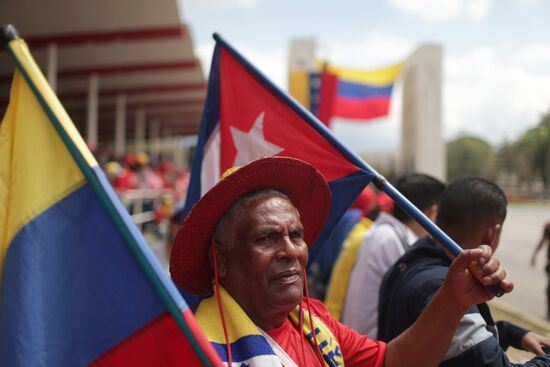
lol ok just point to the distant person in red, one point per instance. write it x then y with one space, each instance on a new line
128 179
384 202
147 178
544 241
165 170
112 170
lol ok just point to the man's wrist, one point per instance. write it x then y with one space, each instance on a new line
449 300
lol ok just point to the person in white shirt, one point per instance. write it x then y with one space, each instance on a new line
384 243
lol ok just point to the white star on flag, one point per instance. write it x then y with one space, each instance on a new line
252 145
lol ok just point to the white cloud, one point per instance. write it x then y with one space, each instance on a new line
487 94
271 61
476 10
534 55
375 49
204 52
442 10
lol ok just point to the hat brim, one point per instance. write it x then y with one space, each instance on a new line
304 185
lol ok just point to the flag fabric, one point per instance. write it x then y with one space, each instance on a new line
79 285
305 87
353 94
246 117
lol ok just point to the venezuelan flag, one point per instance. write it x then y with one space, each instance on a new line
355 94
79 286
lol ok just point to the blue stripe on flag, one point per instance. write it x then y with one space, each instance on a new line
360 91
343 193
67 273
210 119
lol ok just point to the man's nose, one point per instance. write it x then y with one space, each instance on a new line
289 249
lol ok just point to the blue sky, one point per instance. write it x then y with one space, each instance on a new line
496 60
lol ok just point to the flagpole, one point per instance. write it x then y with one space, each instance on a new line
99 184
378 180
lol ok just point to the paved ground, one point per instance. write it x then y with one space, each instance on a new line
522 230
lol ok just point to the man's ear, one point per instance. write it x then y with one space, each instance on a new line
492 235
431 212
218 250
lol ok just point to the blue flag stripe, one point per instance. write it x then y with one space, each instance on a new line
67 277
362 91
348 188
210 118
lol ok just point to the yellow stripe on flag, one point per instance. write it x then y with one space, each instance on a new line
299 88
374 77
21 51
29 147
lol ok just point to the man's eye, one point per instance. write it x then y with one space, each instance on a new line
296 234
264 239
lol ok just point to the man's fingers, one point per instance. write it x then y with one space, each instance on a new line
507 285
534 343
480 255
493 277
537 349
490 266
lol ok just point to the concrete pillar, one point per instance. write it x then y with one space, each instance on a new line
139 144
120 125
422 143
167 143
92 110
51 66
179 152
154 138
301 64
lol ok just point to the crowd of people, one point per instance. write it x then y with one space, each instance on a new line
393 296
159 186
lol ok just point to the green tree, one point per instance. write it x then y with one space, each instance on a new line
470 155
533 153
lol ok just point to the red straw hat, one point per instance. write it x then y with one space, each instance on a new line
302 183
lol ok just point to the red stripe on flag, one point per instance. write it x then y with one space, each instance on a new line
361 109
201 339
329 86
159 343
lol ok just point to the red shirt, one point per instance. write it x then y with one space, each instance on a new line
357 349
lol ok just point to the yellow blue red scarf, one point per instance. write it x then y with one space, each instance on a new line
248 345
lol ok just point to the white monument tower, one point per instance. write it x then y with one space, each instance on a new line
422 146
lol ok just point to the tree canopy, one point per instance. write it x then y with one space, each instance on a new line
526 159
470 155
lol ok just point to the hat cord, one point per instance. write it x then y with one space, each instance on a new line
220 307
318 351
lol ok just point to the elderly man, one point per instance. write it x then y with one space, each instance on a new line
248 237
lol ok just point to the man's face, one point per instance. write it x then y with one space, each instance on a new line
264 266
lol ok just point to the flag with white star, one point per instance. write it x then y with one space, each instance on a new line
247 117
